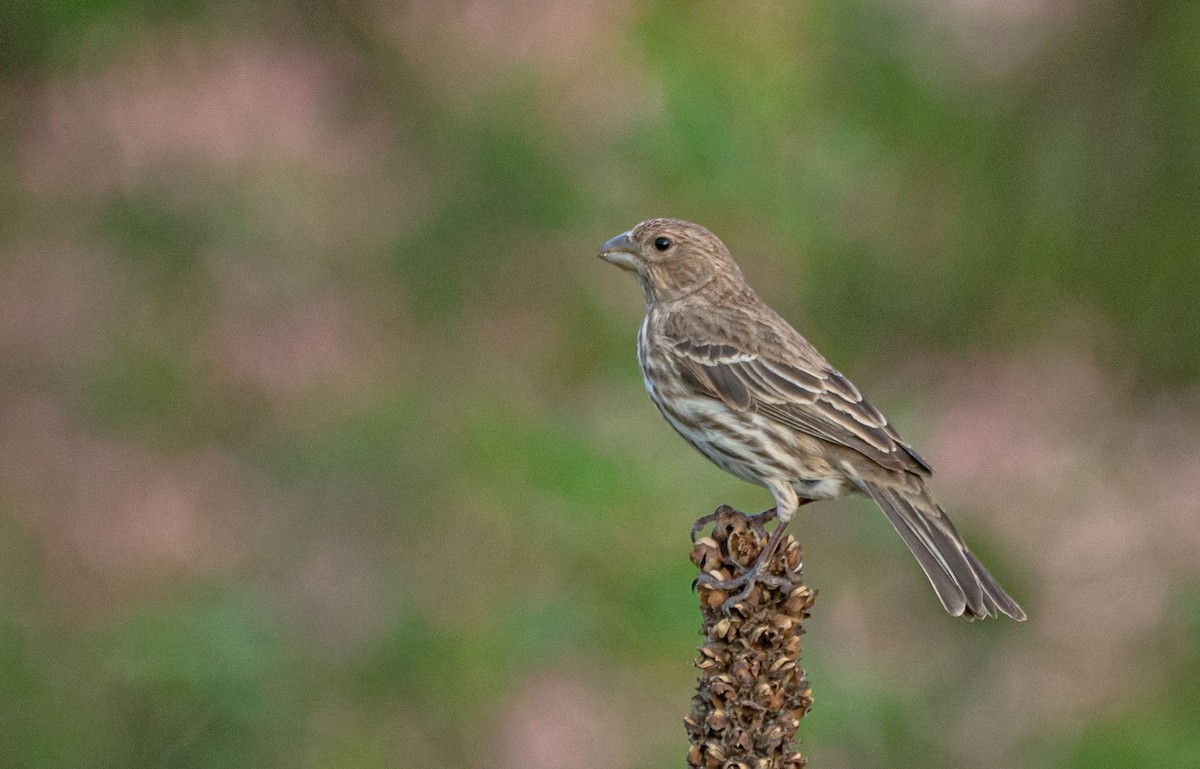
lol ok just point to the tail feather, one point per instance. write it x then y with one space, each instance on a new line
999 599
961 582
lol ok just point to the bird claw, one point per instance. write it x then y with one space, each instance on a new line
747 581
701 522
757 521
770 580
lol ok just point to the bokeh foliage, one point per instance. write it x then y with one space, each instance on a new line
324 443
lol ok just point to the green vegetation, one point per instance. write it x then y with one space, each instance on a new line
321 438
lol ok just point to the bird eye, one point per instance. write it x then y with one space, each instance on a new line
662 244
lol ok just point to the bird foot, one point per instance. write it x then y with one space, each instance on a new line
757 521
747 581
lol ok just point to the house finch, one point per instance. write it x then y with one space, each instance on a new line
752 395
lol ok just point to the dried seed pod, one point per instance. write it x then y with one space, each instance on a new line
707 554
742 669
744 547
751 693
713 599
792 557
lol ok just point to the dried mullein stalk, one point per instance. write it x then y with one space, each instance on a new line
752 692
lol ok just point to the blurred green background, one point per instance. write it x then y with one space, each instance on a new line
322 442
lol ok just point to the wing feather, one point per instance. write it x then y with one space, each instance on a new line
801 391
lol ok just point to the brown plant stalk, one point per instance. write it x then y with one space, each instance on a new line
751 692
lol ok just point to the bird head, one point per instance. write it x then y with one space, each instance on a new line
672 258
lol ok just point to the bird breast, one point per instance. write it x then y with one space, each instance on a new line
745 444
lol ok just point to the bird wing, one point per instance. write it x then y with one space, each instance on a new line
770 369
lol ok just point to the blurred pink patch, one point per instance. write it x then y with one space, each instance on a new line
996 36
1093 493
558 723
225 105
337 597
56 300
1019 418
584 76
289 345
114 517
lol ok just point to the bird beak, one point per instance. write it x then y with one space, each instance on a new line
620 251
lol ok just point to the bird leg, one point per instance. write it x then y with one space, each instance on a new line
757 520
756 574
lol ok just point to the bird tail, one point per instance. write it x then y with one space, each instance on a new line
961 582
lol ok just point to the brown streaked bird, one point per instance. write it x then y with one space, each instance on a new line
743 387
